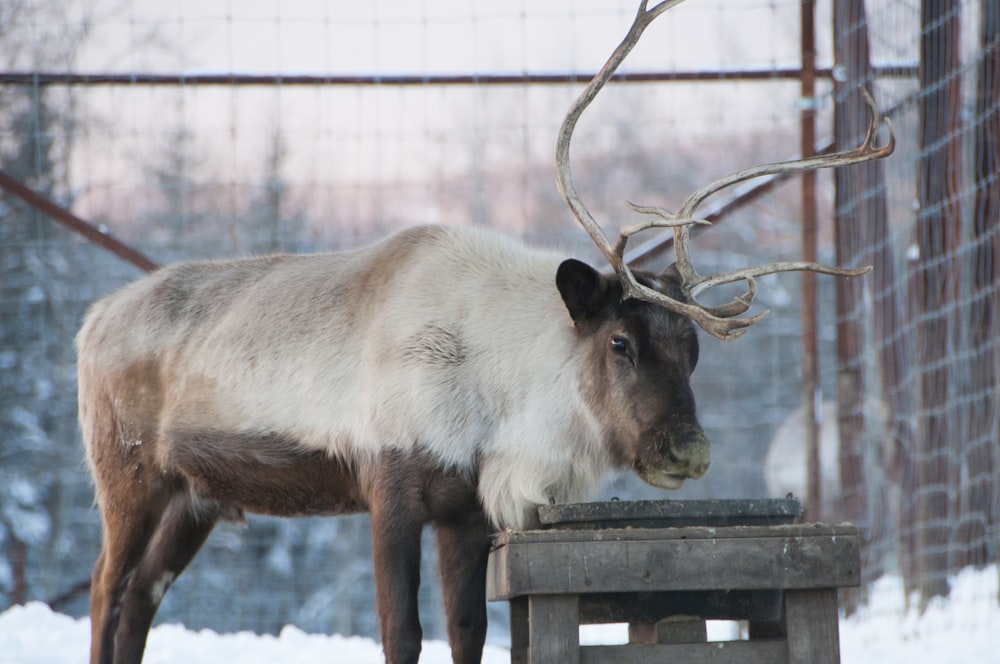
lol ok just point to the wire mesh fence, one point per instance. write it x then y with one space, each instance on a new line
921 338
214 129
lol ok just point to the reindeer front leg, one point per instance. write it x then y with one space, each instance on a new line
463 548
397 522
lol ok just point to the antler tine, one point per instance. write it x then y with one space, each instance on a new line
667 219
748 274
564 176
867 151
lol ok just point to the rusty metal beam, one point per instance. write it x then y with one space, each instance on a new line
808 296
90 231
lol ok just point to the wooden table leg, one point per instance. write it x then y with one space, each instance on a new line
518 630
811 622
553 629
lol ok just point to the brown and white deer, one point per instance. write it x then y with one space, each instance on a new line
443 376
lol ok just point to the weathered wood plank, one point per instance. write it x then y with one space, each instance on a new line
811 622
670 513
676 629
553 629
797 558
719 652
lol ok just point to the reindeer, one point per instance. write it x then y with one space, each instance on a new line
444 376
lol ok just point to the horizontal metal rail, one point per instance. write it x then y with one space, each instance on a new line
234 79
644 252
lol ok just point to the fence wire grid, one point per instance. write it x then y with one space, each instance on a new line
202 129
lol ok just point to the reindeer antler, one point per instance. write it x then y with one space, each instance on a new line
724 321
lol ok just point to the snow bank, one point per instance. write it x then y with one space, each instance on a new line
33 634
963 628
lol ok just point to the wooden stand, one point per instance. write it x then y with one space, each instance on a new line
665 581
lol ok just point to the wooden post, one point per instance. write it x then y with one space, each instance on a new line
553 629
811 621
518 630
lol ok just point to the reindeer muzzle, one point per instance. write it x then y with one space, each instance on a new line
674 455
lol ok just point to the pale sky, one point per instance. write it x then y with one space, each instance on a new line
429 37
433 36
391 134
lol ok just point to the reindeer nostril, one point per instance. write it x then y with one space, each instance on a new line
666 451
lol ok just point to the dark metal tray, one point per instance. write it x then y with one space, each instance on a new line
670 513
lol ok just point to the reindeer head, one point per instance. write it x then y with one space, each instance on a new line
671 446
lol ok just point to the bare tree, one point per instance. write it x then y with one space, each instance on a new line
935 286
38 308
271 222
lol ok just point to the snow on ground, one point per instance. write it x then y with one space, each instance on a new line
964 628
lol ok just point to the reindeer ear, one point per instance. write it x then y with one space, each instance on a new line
672 273
670 282
584 290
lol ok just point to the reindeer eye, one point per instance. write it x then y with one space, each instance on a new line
620 344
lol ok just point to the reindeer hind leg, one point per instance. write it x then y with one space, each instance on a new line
178 537
128 527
